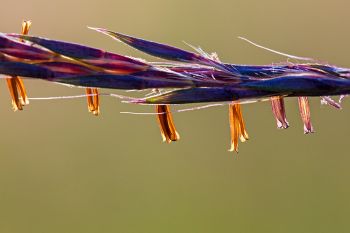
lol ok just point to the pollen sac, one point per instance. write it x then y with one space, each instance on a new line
17 92
237 126
304 109
15 84
93 100
279 112
166 124
25 26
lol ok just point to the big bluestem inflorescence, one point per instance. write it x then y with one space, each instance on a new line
183 78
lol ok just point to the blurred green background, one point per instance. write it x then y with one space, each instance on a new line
63 170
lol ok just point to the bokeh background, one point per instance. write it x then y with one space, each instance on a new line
64 170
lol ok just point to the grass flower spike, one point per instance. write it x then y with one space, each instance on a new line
183 77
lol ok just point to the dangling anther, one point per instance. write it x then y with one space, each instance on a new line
279 111
237 126
15 84
93 100
166 124
304 109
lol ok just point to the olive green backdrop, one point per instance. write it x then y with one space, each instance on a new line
63 170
